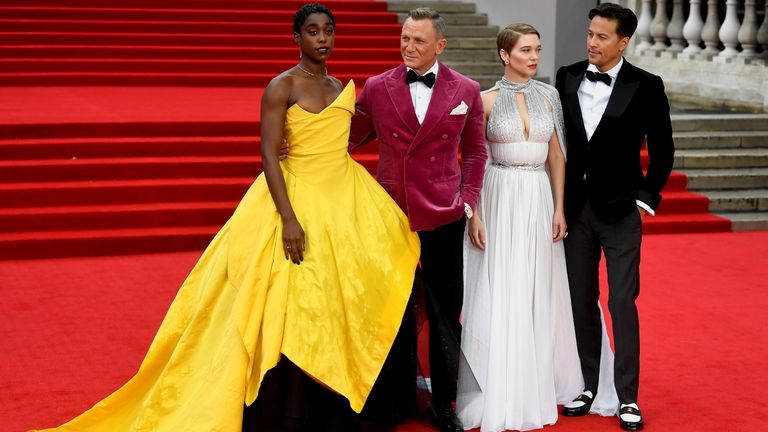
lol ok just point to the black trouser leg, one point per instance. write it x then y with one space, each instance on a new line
621 245
442 262
582 253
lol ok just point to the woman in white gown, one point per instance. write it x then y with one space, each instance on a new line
518 333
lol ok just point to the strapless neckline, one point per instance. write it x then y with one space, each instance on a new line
349 85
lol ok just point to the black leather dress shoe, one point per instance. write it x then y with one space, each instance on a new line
581 410
630 425
445 418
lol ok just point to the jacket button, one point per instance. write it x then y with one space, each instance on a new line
431 158
394 134
445 136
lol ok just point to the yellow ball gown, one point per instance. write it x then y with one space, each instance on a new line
244 305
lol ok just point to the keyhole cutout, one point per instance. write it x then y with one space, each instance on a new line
523 109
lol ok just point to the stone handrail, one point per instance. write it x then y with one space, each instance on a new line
682 37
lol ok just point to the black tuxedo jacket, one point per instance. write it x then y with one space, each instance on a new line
606 169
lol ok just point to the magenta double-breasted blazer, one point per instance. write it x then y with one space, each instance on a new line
418 164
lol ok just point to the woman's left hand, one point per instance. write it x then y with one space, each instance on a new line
559 227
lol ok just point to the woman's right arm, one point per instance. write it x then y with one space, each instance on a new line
274 104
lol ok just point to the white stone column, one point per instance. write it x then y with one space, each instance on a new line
762 34
693 28
675 28
644 28
748 31
729 31
659 27
710 32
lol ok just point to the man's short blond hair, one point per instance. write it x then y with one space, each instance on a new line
430 14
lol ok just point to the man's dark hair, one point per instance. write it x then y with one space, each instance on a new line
307 10
626 20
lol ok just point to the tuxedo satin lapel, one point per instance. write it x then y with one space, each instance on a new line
622 94
400 95
572 83
440 104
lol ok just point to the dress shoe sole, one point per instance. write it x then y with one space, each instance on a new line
631 426
576 412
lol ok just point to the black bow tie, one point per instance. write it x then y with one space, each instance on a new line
428 79
599 76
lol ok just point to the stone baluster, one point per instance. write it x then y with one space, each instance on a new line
675 28
710 32
644 28
748 31
729 31
693 29
659 27
762 34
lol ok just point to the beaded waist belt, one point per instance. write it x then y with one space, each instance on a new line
518 166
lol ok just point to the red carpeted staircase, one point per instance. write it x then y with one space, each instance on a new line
179 42
682 211
118 162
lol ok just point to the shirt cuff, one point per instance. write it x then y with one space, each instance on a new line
468 211
645 207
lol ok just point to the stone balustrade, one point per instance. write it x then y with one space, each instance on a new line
735 37
709 52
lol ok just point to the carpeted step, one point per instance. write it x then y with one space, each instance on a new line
677 182
81 148
48 244
105 192
259 27
283 14
49 171
334 5
55 170
150 79
685 223
155 66
284 39
131 147
677 202
194 53
115 216
135 129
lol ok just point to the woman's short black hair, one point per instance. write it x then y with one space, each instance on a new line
626 20
307 10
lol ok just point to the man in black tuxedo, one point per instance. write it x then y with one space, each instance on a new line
610 109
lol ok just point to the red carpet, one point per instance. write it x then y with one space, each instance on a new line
131 126
75 329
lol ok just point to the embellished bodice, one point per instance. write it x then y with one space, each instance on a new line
507 141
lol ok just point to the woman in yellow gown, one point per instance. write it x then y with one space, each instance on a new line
315 266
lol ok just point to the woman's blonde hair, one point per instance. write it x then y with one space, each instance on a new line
508 37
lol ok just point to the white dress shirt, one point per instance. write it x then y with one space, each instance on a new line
421 94
593 99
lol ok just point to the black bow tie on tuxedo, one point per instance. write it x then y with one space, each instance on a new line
599 76
428 79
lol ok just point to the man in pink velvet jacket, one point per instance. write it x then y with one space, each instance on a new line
424 114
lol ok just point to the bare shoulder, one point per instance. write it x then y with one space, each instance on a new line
279 88
337 82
